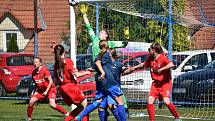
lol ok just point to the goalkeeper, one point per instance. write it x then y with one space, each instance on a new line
103 35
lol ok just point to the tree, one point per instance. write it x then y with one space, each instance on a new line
13 47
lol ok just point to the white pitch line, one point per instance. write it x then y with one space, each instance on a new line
144 115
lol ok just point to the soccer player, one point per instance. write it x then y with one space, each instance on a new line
118 69
45 88
105 84
103 35
160 67
66 75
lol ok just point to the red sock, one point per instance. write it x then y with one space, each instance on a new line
172 109
29 111
60 109
85 118
151 111
76 111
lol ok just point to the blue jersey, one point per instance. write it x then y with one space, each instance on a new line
106 62
117 69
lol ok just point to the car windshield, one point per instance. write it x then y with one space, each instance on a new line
177 60
22 60
210 65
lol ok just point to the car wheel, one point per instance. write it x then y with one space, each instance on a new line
2 90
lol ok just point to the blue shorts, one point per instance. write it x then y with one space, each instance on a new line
115 91
100 94
107 100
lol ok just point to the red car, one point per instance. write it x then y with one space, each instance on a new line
13 66
133 58
87 84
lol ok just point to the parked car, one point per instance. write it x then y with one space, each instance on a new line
195 87
191 60
13 66
137 47
87 84
133 58
140 81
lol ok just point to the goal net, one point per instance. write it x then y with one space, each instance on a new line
148 22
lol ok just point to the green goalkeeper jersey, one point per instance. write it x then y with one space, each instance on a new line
95 42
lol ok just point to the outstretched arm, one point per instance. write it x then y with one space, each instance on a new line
80 74
123 43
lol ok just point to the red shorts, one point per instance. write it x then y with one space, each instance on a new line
51 94
71 94
159 89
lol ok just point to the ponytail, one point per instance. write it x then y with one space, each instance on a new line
104 47
59 50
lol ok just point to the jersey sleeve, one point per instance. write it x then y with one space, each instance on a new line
116 44
90 31
166 60
70 65
46 73
147 62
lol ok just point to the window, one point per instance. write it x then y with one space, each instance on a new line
213 56
9 36
198 61
20 61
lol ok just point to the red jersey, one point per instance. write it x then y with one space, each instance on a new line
66 75
40 78
158 63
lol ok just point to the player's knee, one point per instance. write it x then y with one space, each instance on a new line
31 103
101 109
52 105
96 103
119 100
166 100
151 100
112 106
84 103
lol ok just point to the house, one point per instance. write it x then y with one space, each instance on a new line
17 19
202 23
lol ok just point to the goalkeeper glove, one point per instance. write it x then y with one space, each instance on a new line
126 32
83 9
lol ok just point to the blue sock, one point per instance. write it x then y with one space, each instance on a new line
106 115
121 111
102 115
116 114
89 109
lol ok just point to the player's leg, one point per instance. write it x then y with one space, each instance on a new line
166 98
30 107
150 108
113 107
52 96
72 94
103 113
153 94
125 105
92 106
77 111
116 93
55 106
